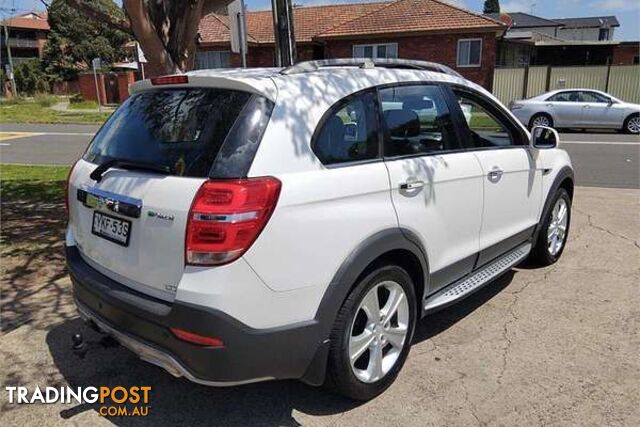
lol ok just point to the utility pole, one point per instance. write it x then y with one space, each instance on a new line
283 27
10 58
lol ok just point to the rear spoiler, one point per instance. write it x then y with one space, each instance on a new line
260 86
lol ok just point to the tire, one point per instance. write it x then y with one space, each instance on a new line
545 253
632 124
361 380
539 118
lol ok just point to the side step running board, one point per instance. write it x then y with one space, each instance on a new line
477 279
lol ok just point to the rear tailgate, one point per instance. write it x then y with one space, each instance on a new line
130 222
150 256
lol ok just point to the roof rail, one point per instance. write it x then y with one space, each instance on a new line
309 66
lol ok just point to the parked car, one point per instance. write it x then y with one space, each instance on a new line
246 225
578 108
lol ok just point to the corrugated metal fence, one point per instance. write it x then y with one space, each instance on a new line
621 81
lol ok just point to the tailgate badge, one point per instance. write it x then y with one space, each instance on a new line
153 214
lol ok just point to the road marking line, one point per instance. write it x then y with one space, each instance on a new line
13 135
597 143
4 144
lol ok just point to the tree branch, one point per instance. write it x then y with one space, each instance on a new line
146 33
217 6
98 15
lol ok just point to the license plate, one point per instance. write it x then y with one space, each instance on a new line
109 227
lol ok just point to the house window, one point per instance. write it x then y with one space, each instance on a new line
375 51
213 59
604 34
469 52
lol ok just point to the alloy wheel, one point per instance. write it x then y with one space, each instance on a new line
633 125
379 331
541 121
558 227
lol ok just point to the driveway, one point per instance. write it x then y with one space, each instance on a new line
553 346
600 160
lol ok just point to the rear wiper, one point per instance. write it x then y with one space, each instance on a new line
97 173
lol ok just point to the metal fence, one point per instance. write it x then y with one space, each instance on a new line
621 81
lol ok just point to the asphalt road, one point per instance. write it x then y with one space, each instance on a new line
600 160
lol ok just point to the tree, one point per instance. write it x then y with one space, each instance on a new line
30 79
75 40
491 6
167 30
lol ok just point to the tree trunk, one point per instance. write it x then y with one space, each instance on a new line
160 61
167 30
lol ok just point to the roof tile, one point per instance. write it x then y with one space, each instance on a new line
314 22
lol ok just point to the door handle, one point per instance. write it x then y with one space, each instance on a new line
586 107
414 185
495 175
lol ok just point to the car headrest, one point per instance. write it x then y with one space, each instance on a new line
402 123
417 103
335 130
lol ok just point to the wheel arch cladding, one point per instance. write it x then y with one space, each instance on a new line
564 179
393 246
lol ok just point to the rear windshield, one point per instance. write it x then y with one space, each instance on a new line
183 130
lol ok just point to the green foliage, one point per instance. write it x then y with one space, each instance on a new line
83 105
44 183
45 100
75 40
30 78
76 98
20 110
491 6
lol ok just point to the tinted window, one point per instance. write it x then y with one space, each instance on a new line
593 97
349 133
565 97
487 129
183 129
416 120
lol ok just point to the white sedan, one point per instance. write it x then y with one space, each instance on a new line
578 108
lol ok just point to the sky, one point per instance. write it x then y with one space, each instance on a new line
627 11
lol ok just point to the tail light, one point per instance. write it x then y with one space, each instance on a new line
66 187
226 217
170 80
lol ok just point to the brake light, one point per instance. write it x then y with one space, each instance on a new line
169 80
226 217
66 187
197 339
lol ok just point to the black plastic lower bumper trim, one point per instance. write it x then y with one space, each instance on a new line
248 354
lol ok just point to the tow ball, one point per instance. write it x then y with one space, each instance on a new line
81 347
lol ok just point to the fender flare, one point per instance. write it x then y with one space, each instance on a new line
344 280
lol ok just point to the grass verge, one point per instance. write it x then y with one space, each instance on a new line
39 112
44 184
83 105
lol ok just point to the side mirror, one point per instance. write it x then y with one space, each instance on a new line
543 137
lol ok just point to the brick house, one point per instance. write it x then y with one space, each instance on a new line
27 37
429 30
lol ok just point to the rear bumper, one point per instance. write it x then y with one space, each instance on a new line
141 323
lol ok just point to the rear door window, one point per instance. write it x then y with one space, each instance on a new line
181 129
416 121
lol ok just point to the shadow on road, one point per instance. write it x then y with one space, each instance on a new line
176 401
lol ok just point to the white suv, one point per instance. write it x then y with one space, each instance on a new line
244 225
